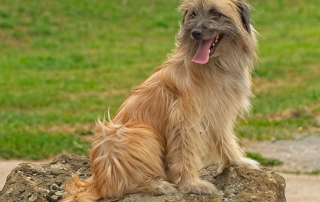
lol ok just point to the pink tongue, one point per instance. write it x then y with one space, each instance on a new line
202 55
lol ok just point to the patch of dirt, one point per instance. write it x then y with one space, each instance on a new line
78 128
302 187
298 155
262 84
113 92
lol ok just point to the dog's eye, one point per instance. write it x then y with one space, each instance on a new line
193 14
214 13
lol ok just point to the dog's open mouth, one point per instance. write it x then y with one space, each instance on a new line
206 49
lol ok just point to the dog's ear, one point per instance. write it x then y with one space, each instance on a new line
183 8
184 16
244 10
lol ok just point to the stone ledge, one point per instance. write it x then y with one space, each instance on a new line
45 182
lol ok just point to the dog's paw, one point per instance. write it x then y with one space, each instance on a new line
250 163
246 162
197 187
163 187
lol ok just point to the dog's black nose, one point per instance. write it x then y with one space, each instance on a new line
197 33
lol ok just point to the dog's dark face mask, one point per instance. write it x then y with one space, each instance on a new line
208 24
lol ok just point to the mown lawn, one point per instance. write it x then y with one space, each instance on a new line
63 63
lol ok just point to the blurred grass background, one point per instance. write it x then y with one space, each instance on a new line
63 63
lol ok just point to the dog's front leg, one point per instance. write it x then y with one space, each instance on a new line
231 153
183 160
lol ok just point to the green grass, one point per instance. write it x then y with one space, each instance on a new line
286 80
63 63
40 145
264 161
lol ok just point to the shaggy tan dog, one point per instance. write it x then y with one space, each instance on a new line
182 117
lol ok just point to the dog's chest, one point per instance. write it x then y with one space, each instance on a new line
222 98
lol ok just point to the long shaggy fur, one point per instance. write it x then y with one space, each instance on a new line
182 117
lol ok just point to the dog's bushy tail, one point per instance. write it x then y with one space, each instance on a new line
96 186
125 158
80 191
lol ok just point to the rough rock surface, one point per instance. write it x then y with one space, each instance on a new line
45 182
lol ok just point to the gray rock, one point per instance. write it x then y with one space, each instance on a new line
45 182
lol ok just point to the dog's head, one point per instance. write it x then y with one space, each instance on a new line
209 27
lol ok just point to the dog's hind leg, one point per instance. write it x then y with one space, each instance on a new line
128 159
